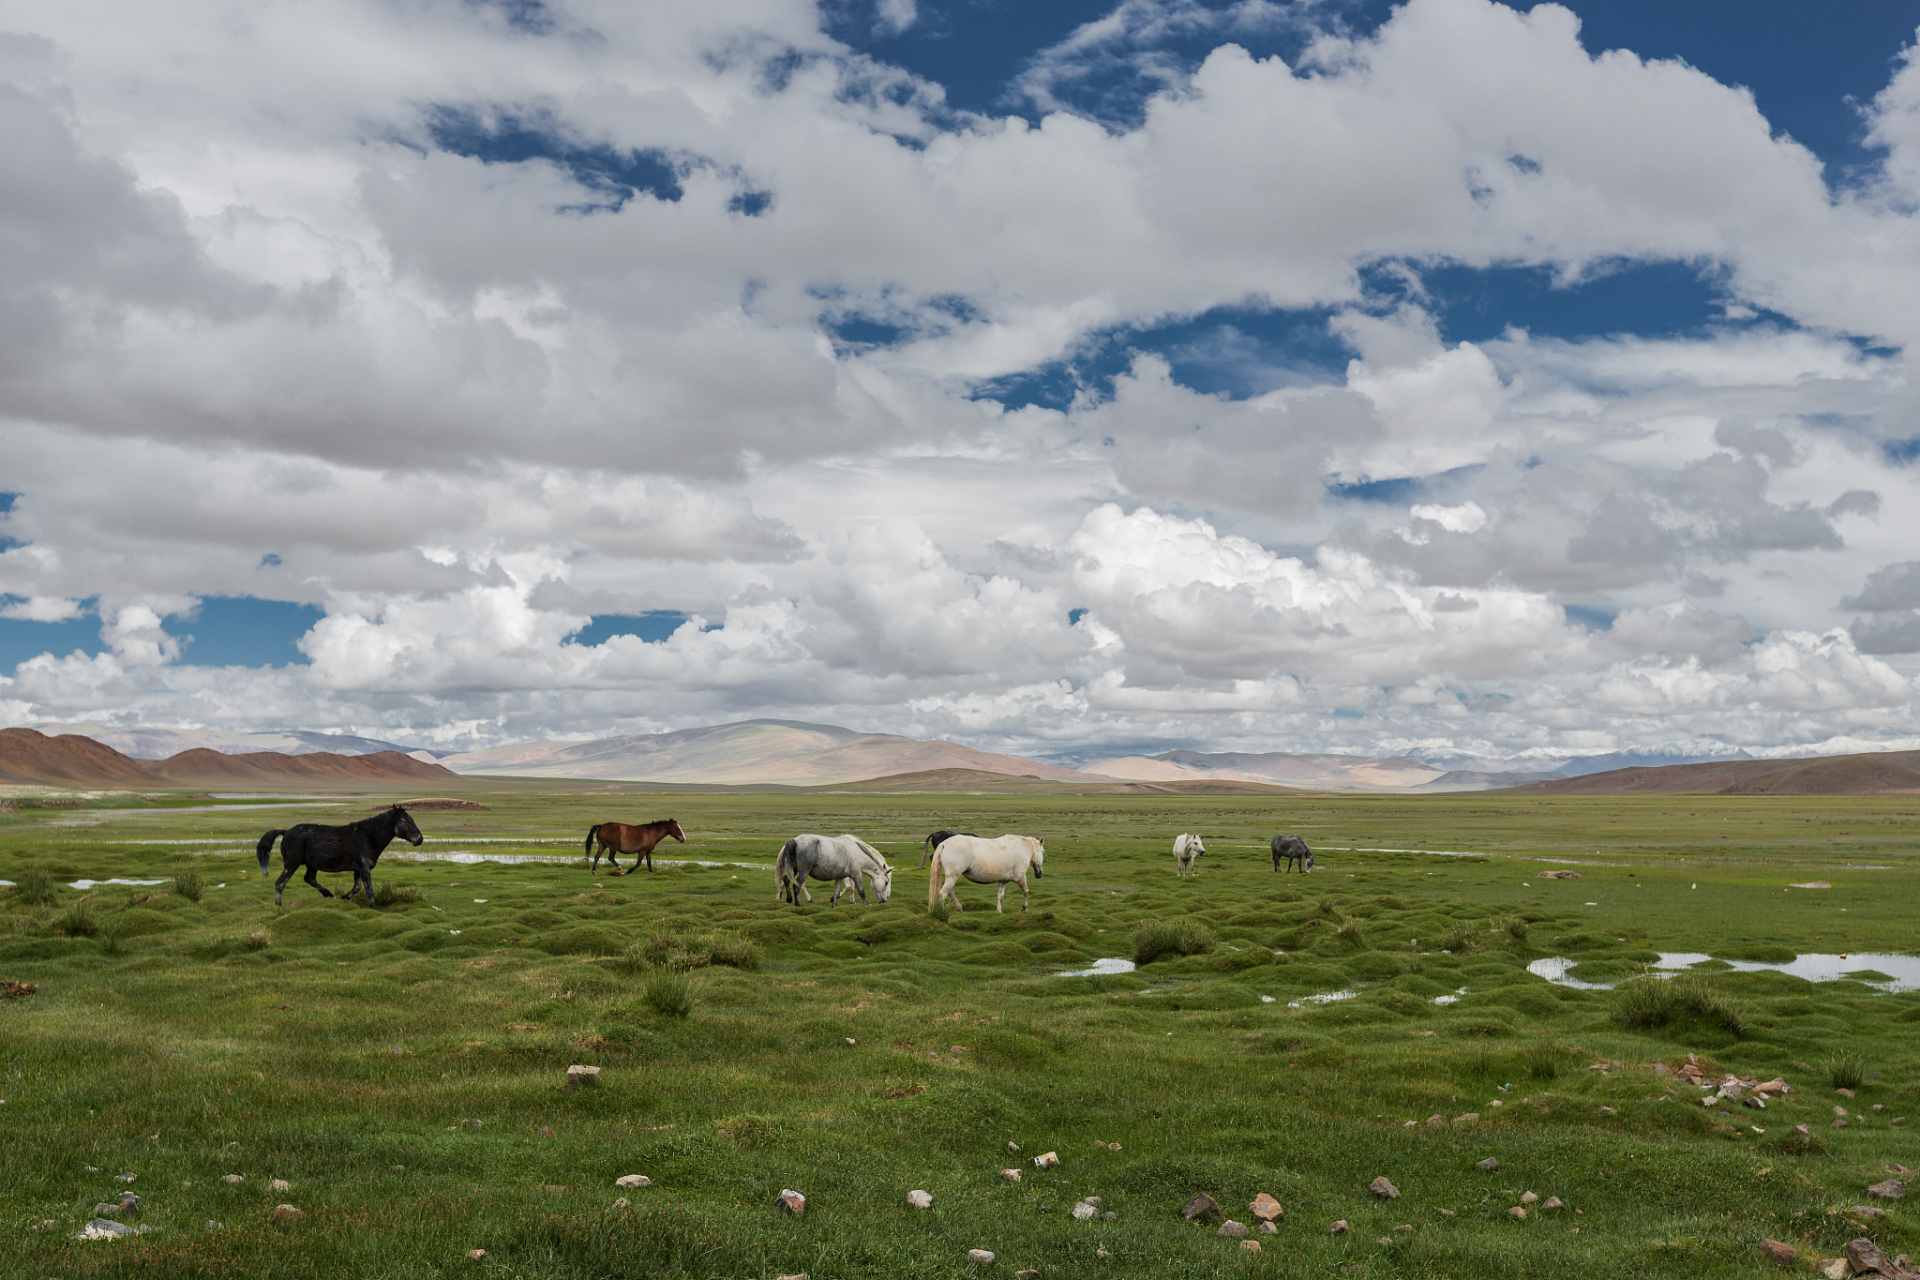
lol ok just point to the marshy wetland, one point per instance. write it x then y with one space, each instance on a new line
184 1031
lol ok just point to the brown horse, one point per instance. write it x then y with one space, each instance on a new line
619 837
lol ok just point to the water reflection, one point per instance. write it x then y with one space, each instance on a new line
1901 972
1102 968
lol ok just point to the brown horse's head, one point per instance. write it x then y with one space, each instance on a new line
673 829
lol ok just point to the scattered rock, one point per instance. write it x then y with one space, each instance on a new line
398 1168
211 1225
579 1077
1340 1228
1554 1202
1434 1120
476 1255
980 1257
546 1131
1845 1093
1467 1117
1662 1069
1517 1213
920 1199
1839 1111
105 1210
1092 1200
1267 1229
1047 1160
104 1229
1528 1197
1014 1148
1250 1246
1488 1165
1867 1211
1266 1208
279 1184
1384 1189
1029 1274
1606 1111
633 1180
1863 1255
793 1202
1784 1254
1803 1133
470 1124
801 1276
233 1179
1559 875
123 1177
1811 884
1839 1124
623 1203
1448 1213
1011 1175
1233 1230
1833 1269
1201 1206
1109 1216
1083 1211
1891 1189
1113 1146
286 1215
1801 1066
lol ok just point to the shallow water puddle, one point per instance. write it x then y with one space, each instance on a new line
1903 972
1101 968
89 884
1325 997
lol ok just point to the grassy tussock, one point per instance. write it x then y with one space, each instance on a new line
668 992
1648 1004
189 885
1845 1070
388 894
78 922
37 889
684 953
1153 939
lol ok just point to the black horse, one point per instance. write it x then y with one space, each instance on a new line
354 847
933 842
1293 849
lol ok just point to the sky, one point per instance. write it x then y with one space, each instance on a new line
1474 382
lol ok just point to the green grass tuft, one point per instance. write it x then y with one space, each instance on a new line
1845 1070
668 992
37 888
1647 1004
1155 938
386 894
77 922
189 885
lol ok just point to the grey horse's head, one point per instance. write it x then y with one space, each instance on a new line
1039 856
881 878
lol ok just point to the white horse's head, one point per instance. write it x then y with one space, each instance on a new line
1039 856
881 878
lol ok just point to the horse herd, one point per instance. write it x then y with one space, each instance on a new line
848 862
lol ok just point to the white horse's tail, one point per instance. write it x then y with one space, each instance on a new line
783 870
935 868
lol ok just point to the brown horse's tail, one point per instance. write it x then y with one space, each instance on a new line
592 831
265 847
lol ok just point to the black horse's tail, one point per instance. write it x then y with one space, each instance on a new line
265 847
592 831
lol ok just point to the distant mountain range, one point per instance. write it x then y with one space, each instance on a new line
29 757
798 754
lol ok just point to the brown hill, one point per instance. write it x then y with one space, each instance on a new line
69 760
1878 773
203 766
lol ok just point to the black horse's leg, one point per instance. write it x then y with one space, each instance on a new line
649 859
280 885
313 878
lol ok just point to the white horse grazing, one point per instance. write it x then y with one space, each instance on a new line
1186 848
841 859
1004 861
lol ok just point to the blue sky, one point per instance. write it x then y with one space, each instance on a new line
1040 375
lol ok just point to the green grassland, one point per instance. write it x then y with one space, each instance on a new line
183 1032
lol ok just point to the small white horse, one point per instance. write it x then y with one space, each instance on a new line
1004 861
1186 849
841 859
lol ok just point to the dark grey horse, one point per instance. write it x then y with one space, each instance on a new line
933 842
1293 849
354 847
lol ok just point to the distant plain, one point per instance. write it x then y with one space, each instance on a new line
855 1053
